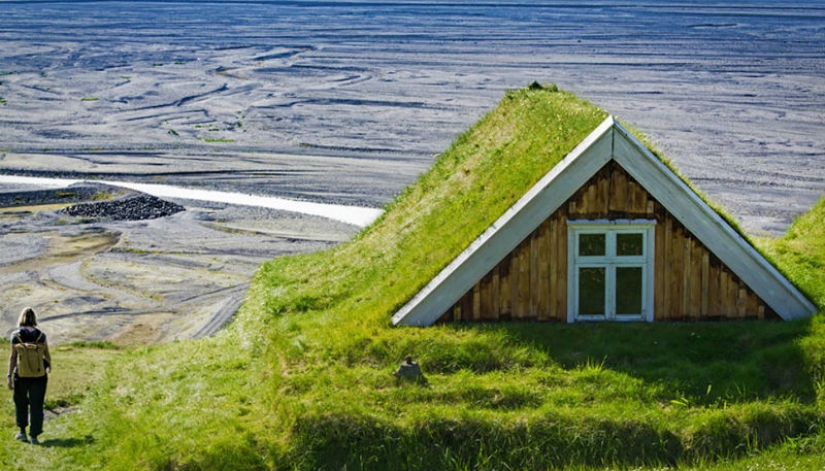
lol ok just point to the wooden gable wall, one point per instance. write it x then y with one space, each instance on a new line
530 283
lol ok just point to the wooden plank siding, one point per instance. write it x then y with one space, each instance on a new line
530 283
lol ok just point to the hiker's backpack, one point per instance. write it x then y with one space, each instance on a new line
30 363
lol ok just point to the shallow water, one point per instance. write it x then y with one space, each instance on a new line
346 101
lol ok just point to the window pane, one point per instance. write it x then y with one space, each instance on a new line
591 245
591 291
628 290
629 244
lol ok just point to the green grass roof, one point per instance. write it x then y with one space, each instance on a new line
483 173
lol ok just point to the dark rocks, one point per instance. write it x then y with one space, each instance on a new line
94 201
134 207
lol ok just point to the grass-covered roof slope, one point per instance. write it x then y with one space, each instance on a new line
484 172
302 378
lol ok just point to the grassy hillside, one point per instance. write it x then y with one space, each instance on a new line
302 379
799 252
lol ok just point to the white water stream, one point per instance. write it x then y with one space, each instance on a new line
359 216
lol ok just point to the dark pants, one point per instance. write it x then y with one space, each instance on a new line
29 394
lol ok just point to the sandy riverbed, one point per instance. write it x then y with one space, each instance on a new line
144 281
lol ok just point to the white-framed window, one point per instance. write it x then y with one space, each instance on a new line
610 270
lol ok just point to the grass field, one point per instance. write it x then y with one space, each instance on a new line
302 378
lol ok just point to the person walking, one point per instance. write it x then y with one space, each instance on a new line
29 365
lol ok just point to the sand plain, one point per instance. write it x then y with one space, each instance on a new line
348 102
135 282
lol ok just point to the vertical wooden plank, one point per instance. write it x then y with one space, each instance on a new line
669 268
696 278
485 307
525 262
476 303
539 292
467 307
549 243
722 306
495 295
481 300
543 308
482 304
752 304
760 312
596 201
533 290
553 267
581 203
673 269
687 295
724 302
595 197
522 299
741 300
572 209
705 287
563 273
603 191
714 309
505 287
646 202
677 282
457 310
608 171
525 282
659 269
559 268
731 295
586 202
573 205
667 275
632 198
514 280
638 199
721 290
618 197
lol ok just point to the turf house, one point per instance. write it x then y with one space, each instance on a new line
610 233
